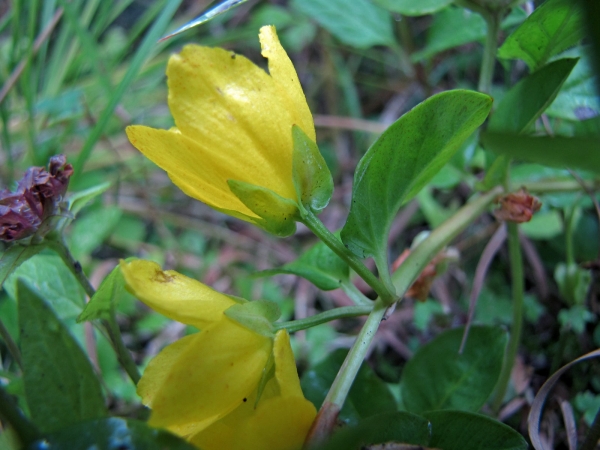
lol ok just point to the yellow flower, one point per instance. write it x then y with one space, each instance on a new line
232 144
205 387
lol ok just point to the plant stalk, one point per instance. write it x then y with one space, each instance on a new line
327 316
591 440
516 271
25 430
418 259
486 75
59 246
317 227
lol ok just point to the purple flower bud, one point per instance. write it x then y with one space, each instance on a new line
36 198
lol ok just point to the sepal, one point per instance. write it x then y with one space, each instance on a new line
257 316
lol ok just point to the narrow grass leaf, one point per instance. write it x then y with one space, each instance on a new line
145 48
572 152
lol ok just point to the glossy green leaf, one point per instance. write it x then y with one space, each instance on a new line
459 430
112 433
387 427
574 152
414 8
455 26
359 23
526 101
577 99
14 256
319 265
92 228
277 214
368 396
53 281
60 384
78 200
438 377
106 298
257 316
552 28
312 178
404 158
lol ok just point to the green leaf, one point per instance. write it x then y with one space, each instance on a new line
404 158
78 200
60 384
368 396
358 23
53 281
277 214
438 377
257 316
319 265
14 256
312 178
112 433
387 427
552 28
572 152
543 225
92 228
106 298
412 8
575 318
458 430
455 26
573 282
525 102
577 99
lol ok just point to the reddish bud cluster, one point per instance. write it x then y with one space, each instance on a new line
517 207
36 197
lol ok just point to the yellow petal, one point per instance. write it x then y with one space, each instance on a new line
280 423
174 295
209 378
285 366
285 77
201 177
234 110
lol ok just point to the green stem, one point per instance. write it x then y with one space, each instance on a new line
59 246
549 186
328 238
418 259
25 430
327 316
122 352
516 271
355 295
343 381
12 346
489 51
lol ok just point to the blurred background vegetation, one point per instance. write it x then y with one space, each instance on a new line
74 74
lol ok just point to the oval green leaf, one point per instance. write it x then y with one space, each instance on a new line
358 23
438 377
553 27
412 8
459 430
111 434
404 158
394 427
60 384
319 265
